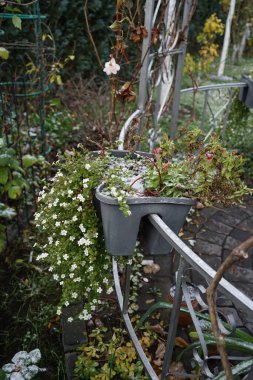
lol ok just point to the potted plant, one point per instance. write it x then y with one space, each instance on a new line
71 230
168 184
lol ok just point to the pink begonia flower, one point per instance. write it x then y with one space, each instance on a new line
111 67
209 156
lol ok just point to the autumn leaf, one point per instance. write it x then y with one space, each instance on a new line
138 34
158 329
180 342
125 93
160 351
178 369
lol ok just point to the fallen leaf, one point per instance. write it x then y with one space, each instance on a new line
156 268
147 269
98 322
160 351
199 206
180 342
150 301
177 371
151 269
158 362
158 329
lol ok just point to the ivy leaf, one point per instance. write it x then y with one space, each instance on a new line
17 22
29 160
4 174
14 192
4 54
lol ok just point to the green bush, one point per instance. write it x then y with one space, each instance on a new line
67 23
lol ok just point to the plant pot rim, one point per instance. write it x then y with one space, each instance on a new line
142 200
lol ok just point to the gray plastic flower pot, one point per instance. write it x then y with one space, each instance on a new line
121 232
246 93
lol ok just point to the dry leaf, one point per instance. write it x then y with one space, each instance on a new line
177 368
199 206
155 35
125 93
158 329
150 301
158 362
180 342
149 269
139 33
156 268
160 351
98 322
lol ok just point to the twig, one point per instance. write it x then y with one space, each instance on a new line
90 34
239 253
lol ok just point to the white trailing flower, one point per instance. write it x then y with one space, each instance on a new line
80 197
42 256
82 228
109 291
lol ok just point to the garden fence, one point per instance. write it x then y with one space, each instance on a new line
22 115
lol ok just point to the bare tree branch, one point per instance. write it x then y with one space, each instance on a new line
238 254
90 34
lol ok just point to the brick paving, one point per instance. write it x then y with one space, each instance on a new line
216 232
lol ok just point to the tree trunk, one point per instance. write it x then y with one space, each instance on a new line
245 36
226 40
167 70
234 54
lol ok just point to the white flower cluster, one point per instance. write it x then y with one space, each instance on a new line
72 239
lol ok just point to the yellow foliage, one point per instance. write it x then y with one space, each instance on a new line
213 26
209 49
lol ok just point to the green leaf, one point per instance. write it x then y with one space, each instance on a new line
239 369
2 373
14 192
29 160
17 22
4 54
5 159
4 175
55 102
230 342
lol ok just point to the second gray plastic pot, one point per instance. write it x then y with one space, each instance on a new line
121 232
246 93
